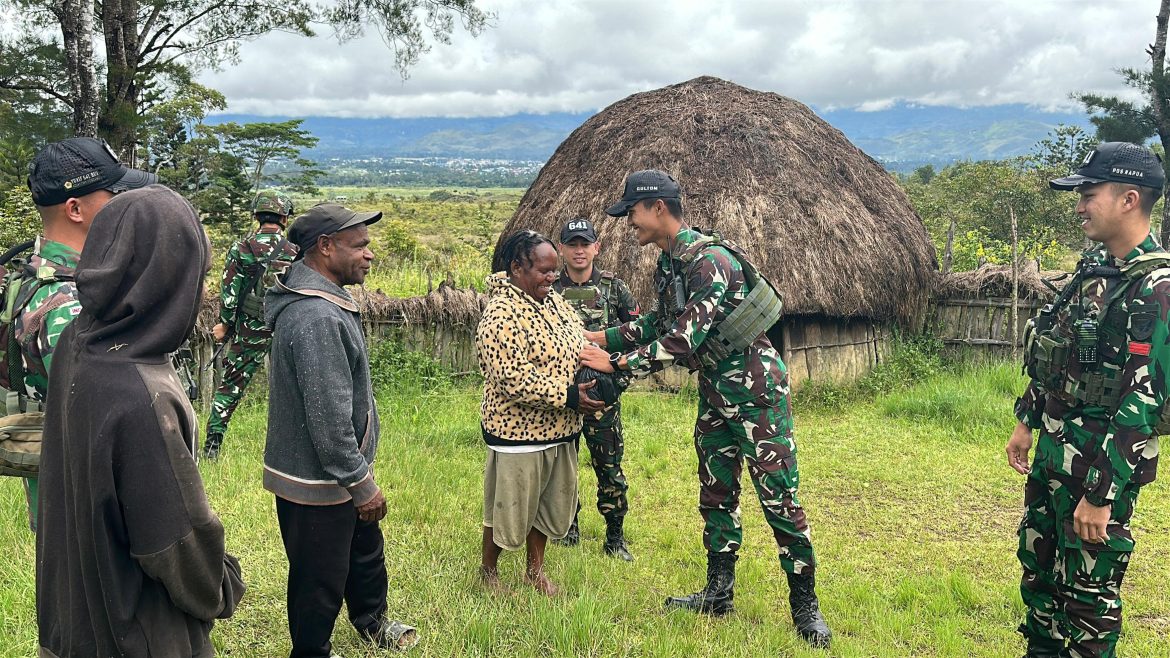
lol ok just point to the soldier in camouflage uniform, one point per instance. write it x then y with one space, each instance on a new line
70 182
602 300
250 268
744 411
1098 358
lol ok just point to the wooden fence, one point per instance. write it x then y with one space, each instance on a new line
442 325
981 326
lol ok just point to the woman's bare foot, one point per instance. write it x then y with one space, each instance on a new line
541 583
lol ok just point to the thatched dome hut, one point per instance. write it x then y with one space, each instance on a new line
824 221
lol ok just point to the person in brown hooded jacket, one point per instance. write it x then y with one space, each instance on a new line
130 557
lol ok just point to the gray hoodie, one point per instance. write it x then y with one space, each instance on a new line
322 422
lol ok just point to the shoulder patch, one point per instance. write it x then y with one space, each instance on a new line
1141 325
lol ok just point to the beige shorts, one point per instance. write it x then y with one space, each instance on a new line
530 490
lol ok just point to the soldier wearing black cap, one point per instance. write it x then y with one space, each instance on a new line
714 308
323 435
602 300
1097 358
70 182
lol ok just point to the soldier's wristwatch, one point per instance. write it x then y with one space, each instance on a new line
1096 500
614 360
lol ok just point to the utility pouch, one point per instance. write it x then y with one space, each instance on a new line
252 306
20 443
1047 360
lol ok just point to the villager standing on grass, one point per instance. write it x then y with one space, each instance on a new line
323 436
705 320
70 182
1098 358
130 557
249 269
528 343
602 300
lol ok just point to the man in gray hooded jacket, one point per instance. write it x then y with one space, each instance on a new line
323 435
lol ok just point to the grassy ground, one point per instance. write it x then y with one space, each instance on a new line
912 505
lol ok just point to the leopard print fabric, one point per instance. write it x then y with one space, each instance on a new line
528 352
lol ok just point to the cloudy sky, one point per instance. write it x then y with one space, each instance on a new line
581 55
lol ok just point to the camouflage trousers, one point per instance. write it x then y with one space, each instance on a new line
1072 589
725 437
606 446
241 360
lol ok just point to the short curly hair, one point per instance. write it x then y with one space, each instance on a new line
517 249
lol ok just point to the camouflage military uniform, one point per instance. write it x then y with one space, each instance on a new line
744 410
611 303
57 304
251 264
1072 588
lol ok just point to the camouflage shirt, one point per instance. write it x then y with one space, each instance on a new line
58 306
615 298
1135 348
715 285
240 267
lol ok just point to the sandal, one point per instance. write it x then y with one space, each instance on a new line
394 635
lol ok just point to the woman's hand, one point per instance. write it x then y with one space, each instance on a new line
596 337
586 404
596 358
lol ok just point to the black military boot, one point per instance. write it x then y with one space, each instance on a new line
211 446
615 541
718 597
573 537
806 610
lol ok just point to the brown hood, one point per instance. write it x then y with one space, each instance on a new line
140 277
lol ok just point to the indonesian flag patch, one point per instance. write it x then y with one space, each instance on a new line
1139 348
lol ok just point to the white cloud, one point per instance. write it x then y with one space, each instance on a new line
580 55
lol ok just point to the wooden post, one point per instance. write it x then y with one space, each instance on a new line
1015 287
949 253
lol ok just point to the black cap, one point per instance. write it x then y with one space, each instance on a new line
79 166
646 184
578 228
326 219
1116 162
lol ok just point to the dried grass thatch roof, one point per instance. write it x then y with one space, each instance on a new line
823 220
996 281
449 305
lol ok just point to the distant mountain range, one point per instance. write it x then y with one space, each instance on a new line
902 137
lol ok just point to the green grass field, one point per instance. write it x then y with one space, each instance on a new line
912 505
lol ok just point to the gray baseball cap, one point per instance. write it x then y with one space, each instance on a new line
326 219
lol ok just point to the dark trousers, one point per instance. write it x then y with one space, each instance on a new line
332 556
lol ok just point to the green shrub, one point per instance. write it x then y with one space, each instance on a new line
392 365
912 359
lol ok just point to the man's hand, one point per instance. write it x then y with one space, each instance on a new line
373 511
219 331
596 337
1090 522
586 404
596 358
1018 448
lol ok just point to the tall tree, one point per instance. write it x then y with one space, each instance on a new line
1117 119
147 38
264 147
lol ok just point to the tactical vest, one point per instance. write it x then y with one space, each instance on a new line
251 305
1050 346
23 420
756 314
585 300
